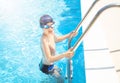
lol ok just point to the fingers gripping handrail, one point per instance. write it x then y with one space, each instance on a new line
81 22
91 23
69 64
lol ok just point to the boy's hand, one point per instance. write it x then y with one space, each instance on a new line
69 53
73 33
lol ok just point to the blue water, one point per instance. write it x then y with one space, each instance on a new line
20 34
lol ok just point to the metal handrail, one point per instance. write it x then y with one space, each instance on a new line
69 64
91 23
81 22
84 33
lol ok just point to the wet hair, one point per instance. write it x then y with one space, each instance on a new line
44 20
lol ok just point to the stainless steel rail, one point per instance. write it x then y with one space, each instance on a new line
81 22
69 69
91 23
69 66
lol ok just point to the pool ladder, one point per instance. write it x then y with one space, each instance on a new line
69 73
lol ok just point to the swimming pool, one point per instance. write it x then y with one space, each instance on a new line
20 39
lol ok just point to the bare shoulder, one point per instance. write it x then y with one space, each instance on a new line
55 37
44 38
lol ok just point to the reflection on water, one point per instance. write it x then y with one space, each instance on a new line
20 34
20 38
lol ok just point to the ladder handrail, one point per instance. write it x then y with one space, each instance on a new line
81 22
69 64
84 33
91 23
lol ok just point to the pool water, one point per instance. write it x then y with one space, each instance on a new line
20 35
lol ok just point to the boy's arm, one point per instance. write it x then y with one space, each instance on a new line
60 38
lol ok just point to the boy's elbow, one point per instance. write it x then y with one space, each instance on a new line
50 60
56 40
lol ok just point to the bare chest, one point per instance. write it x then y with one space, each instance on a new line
51 42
